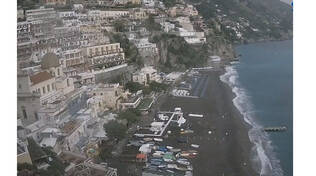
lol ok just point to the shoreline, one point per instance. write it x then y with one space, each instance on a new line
233 151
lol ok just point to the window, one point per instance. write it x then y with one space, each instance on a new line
20 86
36 115
48 88
44 90
68 84
53 86
58 71
101 93
24 112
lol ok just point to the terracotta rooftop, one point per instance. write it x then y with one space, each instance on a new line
40 77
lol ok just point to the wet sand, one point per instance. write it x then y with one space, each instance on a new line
226 151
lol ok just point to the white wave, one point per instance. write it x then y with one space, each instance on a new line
264 159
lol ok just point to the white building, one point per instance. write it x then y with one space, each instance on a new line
167 26
104 56
107 96
146 75
28 103
173 76
20 14
40 14
195 40
78 7
149 3
105 14
145 47
67 14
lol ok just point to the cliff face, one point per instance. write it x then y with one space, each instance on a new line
220 47
176 54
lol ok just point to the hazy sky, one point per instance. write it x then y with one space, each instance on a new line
287 1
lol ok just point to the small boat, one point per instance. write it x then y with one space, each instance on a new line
171 166
169 147
175 150
157 155
167 160
148 139
162 166
170 171
195 145
158 139
183 162
181 168
195 115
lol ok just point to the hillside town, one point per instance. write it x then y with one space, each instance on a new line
77 76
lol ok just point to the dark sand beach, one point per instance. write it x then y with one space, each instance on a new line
226 151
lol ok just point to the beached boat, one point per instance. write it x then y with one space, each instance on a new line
171 166
195 145
158 139
148 139
175 150
196 115
170 171
183 162
181 168
187 132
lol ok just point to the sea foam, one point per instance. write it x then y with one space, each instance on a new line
264 159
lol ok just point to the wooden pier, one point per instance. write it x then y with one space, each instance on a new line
275 129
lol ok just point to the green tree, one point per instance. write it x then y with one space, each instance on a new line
157 87
129 48
26 169
151 24
119 26
169 3
36 152
130 115
56 166
134 86
115 130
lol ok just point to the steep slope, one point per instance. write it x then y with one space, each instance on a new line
248 20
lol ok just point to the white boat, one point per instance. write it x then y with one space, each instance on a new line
175 150
195 115
147 139
168 160
170 171
158 139
171 166
195 145
183 162
169 147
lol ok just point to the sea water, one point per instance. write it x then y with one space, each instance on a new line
263 83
